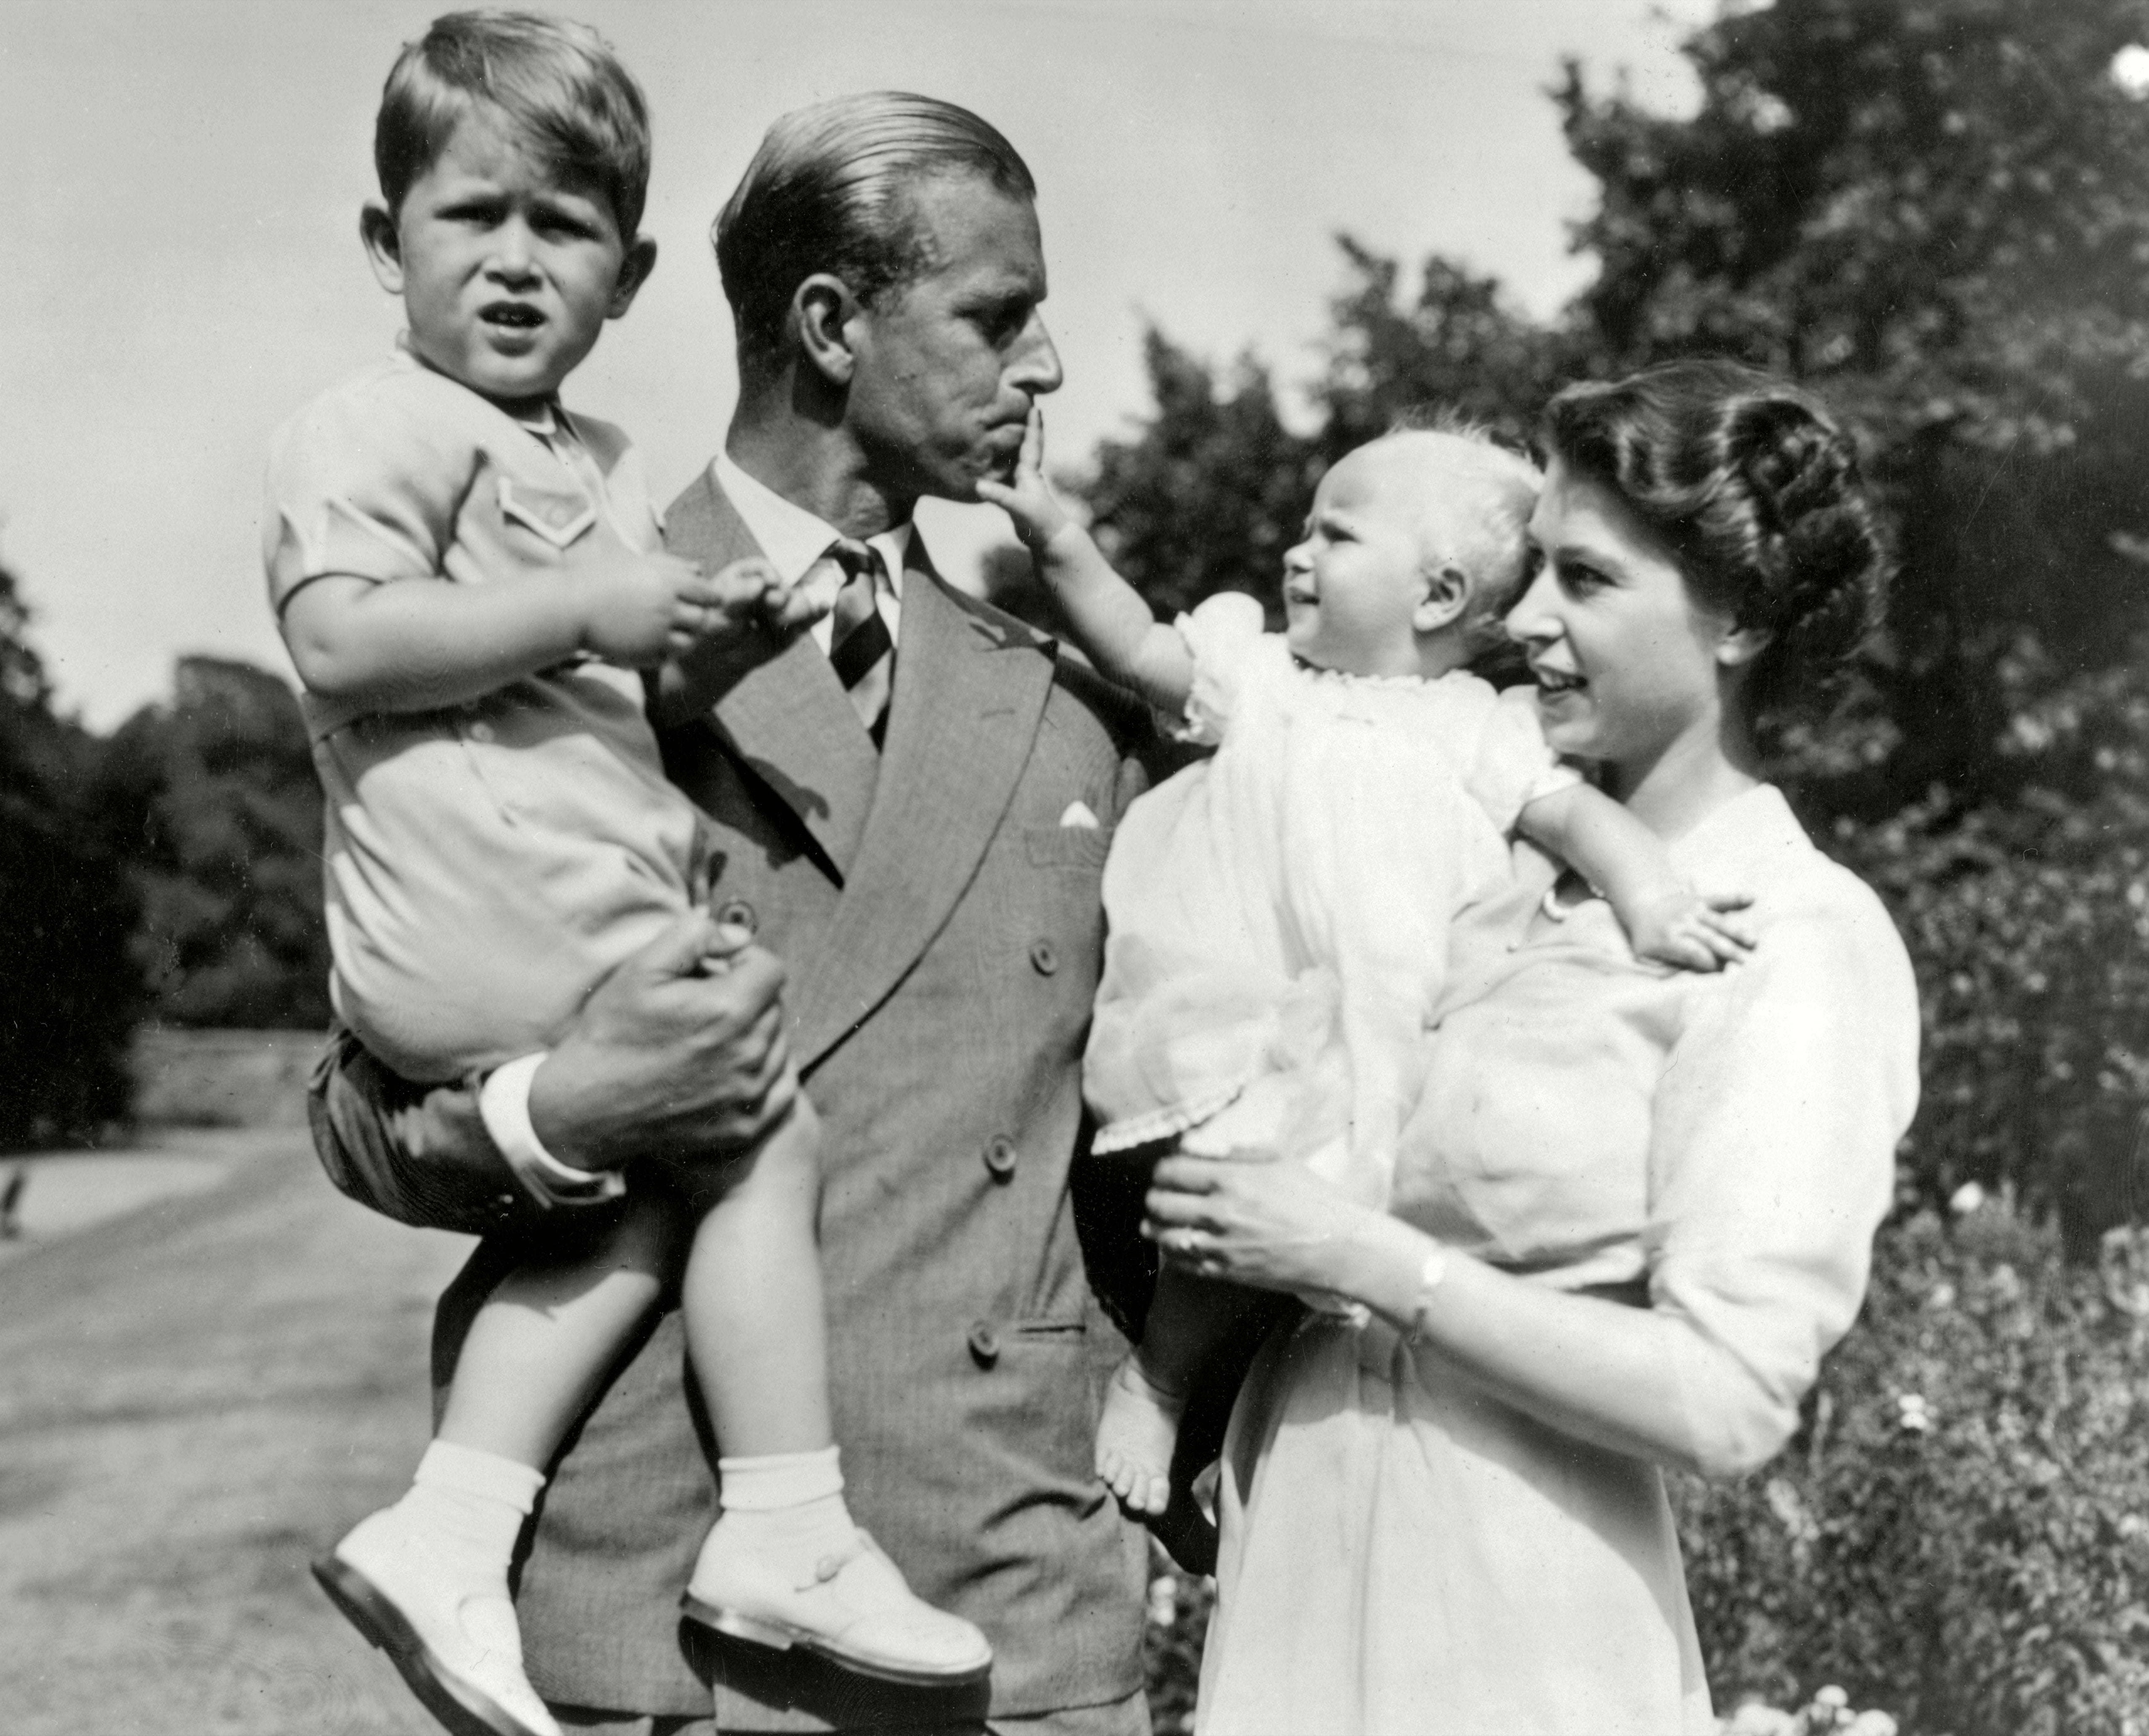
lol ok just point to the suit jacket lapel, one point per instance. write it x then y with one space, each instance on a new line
969 694
788 719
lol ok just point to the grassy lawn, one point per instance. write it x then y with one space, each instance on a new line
198 1396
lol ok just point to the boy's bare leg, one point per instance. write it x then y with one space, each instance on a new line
539 1350
426 1579
785 1565
751 1297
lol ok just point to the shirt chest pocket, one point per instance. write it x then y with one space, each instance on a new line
556 517
1082 848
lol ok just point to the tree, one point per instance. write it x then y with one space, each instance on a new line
1211 492
212 801
69 993
1937 212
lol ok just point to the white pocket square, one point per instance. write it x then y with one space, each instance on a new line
1078 814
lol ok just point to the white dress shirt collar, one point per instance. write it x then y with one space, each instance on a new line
792 538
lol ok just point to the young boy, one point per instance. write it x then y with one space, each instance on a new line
1279 913
467 576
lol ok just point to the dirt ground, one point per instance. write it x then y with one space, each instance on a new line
197 1395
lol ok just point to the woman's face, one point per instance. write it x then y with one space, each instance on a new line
1628 663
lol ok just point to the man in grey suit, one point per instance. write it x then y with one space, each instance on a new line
913 802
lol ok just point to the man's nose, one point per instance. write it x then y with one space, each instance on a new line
1035 368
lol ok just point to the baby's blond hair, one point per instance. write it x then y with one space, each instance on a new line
1490 545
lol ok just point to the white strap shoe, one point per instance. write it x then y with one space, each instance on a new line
456 1642
855 1610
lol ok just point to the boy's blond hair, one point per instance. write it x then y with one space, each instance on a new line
556 83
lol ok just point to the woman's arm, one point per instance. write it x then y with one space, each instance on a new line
1771 1164
1110 621
1623 1378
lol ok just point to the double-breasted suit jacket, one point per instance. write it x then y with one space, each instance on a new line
942 925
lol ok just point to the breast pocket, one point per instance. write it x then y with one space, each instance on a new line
1067 847
556 517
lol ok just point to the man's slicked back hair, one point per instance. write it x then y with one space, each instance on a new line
556 84
830 190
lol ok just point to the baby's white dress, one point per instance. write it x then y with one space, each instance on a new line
1278 913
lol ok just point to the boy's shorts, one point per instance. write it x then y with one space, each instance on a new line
369 1127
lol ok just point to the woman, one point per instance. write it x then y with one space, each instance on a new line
1635 1206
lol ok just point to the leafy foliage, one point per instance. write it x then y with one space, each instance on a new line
1956 1535
67 994
212 799
2028 922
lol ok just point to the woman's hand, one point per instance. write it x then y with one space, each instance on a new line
1273 1226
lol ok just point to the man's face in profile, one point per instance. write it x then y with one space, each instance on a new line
948 362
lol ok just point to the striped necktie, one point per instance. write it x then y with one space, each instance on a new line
859 648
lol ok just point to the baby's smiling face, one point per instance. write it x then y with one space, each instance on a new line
1356 585
508 269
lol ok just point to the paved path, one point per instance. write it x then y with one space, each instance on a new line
196 1395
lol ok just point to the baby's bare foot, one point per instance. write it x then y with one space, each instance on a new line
1135 1435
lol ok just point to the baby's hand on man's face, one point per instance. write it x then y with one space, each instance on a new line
1027 497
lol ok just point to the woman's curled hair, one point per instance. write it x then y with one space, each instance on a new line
1754 486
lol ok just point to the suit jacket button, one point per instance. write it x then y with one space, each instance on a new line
999 1156
737 913
1045 956
984 1344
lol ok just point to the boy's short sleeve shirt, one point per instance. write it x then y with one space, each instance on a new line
486 861
401 473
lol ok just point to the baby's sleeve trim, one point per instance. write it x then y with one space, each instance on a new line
1223 635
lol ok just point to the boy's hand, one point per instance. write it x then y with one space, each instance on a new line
1694 931
1026 496
640 608
746 596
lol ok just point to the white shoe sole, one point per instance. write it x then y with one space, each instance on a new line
461 1706
781 1637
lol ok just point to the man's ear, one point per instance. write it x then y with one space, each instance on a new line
384 245
1739 647
823 306
634 269
1444 594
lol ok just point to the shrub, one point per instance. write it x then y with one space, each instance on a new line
2028 920
1956 1535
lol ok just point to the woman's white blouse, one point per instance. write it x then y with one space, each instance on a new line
1589 1120
1403 1549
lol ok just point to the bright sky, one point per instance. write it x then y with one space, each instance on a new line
184 177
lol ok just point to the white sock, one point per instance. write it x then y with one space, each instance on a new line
471 1504
789 1501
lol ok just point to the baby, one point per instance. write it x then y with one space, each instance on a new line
1279 913
468 577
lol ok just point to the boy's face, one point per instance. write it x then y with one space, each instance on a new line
507 271
1355 589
